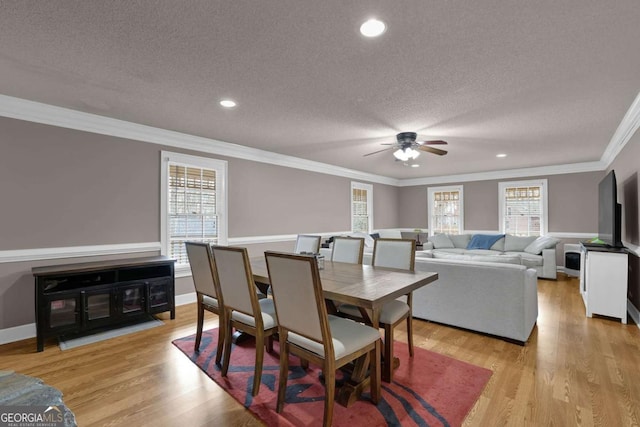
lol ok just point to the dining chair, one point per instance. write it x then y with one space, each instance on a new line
307 331
308 244
242 309
348 249
401 254
391 253
207 292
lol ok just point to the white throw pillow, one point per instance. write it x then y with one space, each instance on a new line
441 241
542 242
517 243
368 240
460 240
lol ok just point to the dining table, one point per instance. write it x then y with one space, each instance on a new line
368 288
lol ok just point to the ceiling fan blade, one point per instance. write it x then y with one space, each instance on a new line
379 151
435 142
432 150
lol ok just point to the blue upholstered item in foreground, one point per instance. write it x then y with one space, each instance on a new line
483 241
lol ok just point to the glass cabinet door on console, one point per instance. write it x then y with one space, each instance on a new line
63 312
97 307
130 299
160 296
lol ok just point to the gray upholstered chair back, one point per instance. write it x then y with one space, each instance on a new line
297 294
235 279
348 249
307 243
394 253
202 268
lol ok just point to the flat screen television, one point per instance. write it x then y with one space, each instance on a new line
609 212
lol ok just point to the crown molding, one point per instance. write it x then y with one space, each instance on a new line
506 174
37 112
626 129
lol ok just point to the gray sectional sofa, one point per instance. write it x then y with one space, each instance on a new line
538 253
493 291
493 298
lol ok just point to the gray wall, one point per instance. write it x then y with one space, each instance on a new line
65 188
627 167
573 203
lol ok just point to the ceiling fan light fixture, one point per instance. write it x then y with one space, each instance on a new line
401 155
405 154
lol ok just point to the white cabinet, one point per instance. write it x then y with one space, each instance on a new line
603 281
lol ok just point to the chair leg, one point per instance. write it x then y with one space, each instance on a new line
284 372
374 373
410 334
329 393
304 363
257 375
200 325
387 374
221 338
410 323
269 344
227 343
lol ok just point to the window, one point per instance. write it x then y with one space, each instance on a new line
361 207
193 203
446 210
523 208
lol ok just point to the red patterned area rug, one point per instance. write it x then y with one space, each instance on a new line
427 390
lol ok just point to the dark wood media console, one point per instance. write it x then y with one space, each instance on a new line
79 298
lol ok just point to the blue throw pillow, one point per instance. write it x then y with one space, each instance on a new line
483 241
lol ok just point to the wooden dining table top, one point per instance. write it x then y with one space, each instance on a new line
360 285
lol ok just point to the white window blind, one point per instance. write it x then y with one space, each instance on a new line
446 210
523 208
192 209
194 190
361 207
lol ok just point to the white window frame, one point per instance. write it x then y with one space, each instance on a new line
171 158
430 205
369 189
542 183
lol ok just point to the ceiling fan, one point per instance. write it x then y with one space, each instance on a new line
407 148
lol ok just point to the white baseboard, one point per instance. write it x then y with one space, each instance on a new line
17 333
23 332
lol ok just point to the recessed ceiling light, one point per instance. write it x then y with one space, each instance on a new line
372 28
501 155
415 165
227 103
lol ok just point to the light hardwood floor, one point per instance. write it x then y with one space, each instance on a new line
574 371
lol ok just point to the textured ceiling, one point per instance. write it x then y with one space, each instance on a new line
546 82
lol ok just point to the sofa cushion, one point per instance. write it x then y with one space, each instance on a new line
517 243
424 254
528 260
451 255
441 241
483 241
483 252
504 259
460 240
542 242
498 245
451 250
